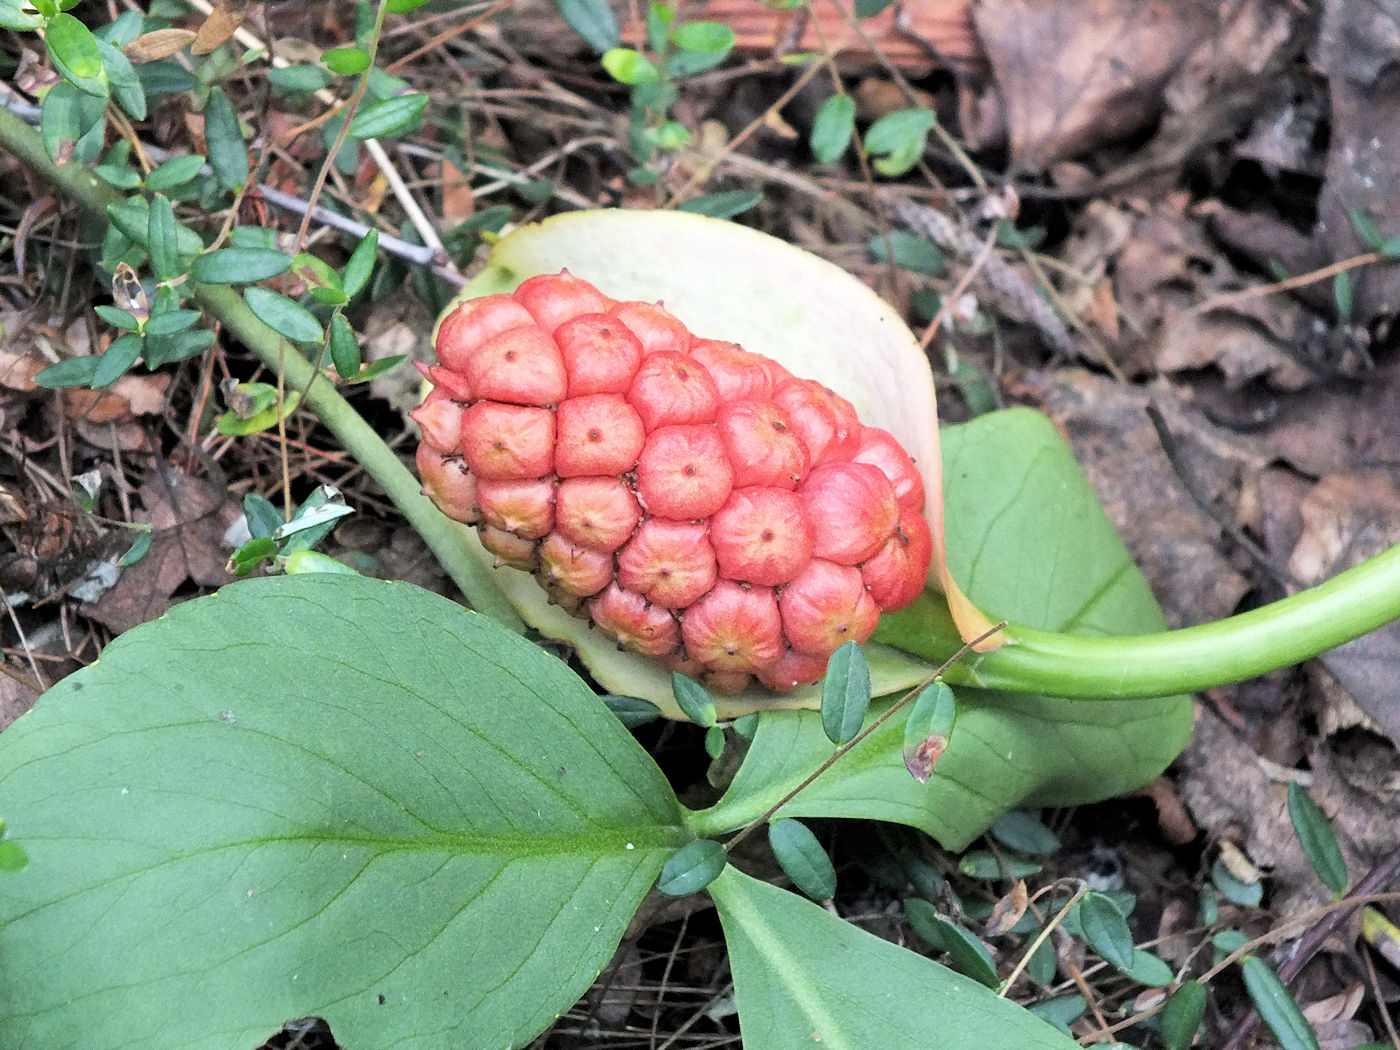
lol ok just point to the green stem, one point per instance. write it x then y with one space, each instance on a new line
1281 634
446 539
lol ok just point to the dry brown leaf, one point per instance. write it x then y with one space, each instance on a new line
458 201
216 30
157 44
1007 911
188 518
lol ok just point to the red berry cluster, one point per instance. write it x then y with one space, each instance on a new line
694 500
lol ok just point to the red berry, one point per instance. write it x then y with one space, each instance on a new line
792 670
671 389
509 549
600 354
598 513
634 622
734 628
878 448
761 536
670 563
440 419
827 423
851 508
738 374
525 508
568 568
827 605
520 366
683 473
653 326
898 572
554 298
508 441
597 434
761 444
472 323
449 484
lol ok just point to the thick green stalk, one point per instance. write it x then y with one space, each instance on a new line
1280 634
443 536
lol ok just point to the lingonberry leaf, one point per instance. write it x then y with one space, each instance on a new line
691 868
1317 838
802 857
845 693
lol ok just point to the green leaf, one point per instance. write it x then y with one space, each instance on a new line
1316 837
897 129
223 135
232 424
314 561
160 238
1025 833
240 265
360 265
845 693
724 205
691 868
378 368
1276 1006
1236 890
1181 1017
298 80
175 173
317 792
901 159
1367 229
969 955
627 66
928 727
252 554
871 8
1148 970
74 52
347 61
116 360
833 127
1390 247
117 317
283 316
164 350
908 251
1106 930
390 116
704 37
72 371
401 7
14 16
13 856
1344 295
344 347
801 856
263 518
984 864
805 978
631 711
67 117
593 20
140 547
693 699
1060 1010
124 84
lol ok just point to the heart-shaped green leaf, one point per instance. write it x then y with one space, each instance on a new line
365 804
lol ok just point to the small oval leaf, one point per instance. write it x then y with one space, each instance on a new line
1316 837
347 61
344 347
802 857
240 265
896 130
845 693
967 953
390 116
832 130
593 20
693 700
1276 1006
1025 833
223 136
176 172
927 729
1181 1017
283 316
691 868
1106 930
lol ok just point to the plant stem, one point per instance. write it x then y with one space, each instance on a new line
443 536
1277 635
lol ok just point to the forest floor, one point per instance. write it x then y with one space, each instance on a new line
1168 227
